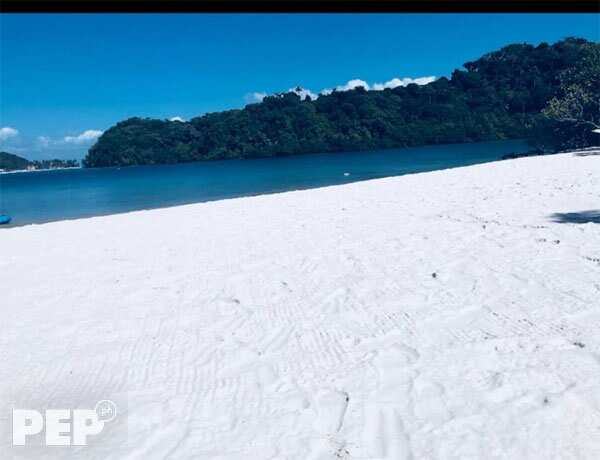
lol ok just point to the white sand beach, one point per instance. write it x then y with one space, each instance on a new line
445 315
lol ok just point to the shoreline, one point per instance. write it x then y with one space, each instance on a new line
18 171
584 151
225 179
259 194
435 315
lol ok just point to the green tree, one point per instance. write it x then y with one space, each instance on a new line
548 93
572 116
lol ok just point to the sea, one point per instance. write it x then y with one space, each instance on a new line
46 196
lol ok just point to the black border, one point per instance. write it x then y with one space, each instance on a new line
300 6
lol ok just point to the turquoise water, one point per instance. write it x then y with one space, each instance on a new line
46 196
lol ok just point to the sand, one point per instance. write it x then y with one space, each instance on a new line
449 314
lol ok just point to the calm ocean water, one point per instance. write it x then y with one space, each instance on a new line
46 196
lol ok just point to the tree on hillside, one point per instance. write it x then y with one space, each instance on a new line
498 96
572 116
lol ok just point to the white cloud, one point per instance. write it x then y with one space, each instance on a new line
252 98
303 93
177 119
353 84
424 80
86 136
350 85
7 133
44 141
395 82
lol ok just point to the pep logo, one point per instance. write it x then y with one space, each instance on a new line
62 427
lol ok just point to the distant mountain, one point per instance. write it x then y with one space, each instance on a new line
519 91
11 162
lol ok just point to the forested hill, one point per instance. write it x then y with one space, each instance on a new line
12 162
515 92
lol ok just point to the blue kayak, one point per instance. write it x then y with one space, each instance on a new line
4 219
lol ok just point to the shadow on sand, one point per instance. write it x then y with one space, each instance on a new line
581 217
590 151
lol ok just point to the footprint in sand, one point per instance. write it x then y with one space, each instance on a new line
384 435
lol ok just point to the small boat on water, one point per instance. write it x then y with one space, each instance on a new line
4 219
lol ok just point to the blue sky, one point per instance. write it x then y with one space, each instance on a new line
66 78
